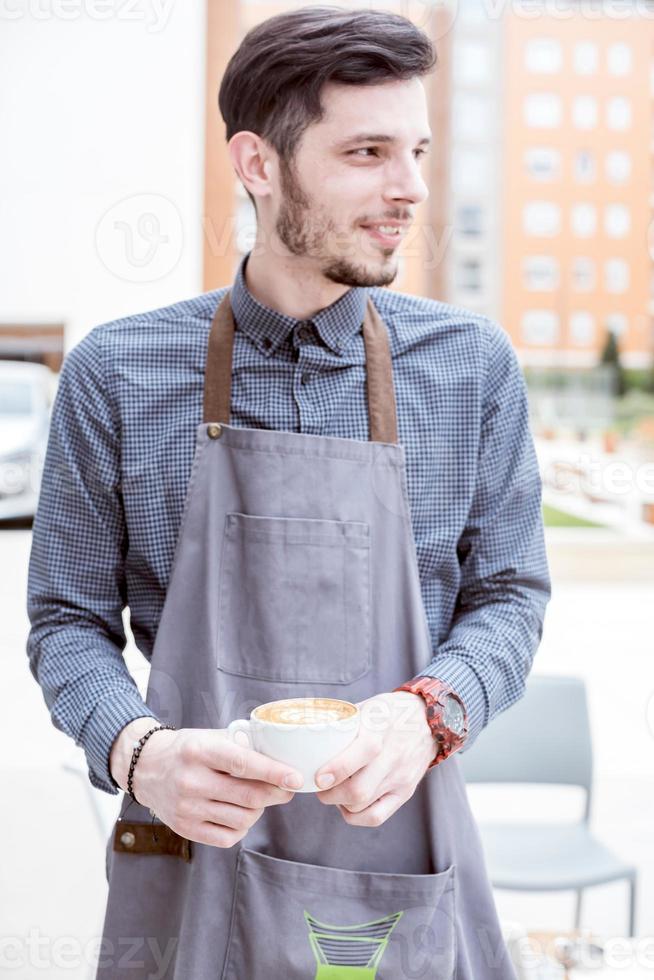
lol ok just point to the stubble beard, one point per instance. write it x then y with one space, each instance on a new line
298 230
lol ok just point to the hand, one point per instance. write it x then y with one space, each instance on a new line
200 783
380 770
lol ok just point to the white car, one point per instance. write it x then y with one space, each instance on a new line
26 395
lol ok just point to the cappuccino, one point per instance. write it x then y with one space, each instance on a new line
305 733
305 711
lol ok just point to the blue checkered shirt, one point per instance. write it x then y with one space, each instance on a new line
121 444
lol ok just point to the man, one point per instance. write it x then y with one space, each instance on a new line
302 485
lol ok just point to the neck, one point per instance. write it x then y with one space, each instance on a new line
290 284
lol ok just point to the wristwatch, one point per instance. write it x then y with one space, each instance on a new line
446 714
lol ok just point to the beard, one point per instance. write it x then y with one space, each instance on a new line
305 233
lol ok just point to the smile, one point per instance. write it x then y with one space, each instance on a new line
385 234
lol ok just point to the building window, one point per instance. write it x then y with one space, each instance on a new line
618 113
468 275
617 220
584 166
619 59
469 171
540 327
583 220
543 56
618 166
541 218
540 273
469 219
616 323
584 112
542 163
471 63
582 327
585 58
583 274
469 15
542 110
616 275
471 115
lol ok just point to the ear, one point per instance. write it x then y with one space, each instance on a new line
250 158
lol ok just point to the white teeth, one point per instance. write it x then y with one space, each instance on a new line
388 230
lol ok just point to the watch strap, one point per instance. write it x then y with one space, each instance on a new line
434 692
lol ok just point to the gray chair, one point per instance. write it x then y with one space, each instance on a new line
104 807
544 738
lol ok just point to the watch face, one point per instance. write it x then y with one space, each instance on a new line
453 715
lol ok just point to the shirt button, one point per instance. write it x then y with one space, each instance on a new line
305 332
306 378
128 839
267 343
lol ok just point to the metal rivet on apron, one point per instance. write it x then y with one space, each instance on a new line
214 431
128 839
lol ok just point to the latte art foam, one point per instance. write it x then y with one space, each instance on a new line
307 716
305 711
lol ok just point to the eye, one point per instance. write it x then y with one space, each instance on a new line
373 149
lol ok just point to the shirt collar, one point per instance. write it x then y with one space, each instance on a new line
336 325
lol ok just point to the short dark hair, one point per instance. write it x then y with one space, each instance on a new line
273 81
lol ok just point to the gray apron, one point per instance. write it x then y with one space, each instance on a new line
295 574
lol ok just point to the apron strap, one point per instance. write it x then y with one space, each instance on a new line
218 370
382 413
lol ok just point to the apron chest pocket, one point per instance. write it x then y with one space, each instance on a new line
294 599
300 921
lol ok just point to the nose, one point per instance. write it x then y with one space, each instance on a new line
404 181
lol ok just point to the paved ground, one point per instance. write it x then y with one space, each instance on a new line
52 885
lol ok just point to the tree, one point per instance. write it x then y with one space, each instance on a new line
611 357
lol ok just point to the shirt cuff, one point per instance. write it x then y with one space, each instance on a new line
101 729
464 681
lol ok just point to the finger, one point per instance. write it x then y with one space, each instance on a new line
375 814
228 814
208 784
244 763
216 835
360 753
361 789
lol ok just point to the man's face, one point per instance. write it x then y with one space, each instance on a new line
357 169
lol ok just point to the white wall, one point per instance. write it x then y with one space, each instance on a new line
101 169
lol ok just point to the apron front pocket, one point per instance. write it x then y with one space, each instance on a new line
300 921
294 599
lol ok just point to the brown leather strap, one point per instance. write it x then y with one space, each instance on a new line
145 838
218 370
382 412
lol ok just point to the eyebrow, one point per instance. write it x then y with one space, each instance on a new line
376 138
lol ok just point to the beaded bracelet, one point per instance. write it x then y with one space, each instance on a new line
138 748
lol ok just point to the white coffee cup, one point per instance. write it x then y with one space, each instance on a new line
304 733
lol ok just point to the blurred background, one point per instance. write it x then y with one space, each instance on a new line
118 197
